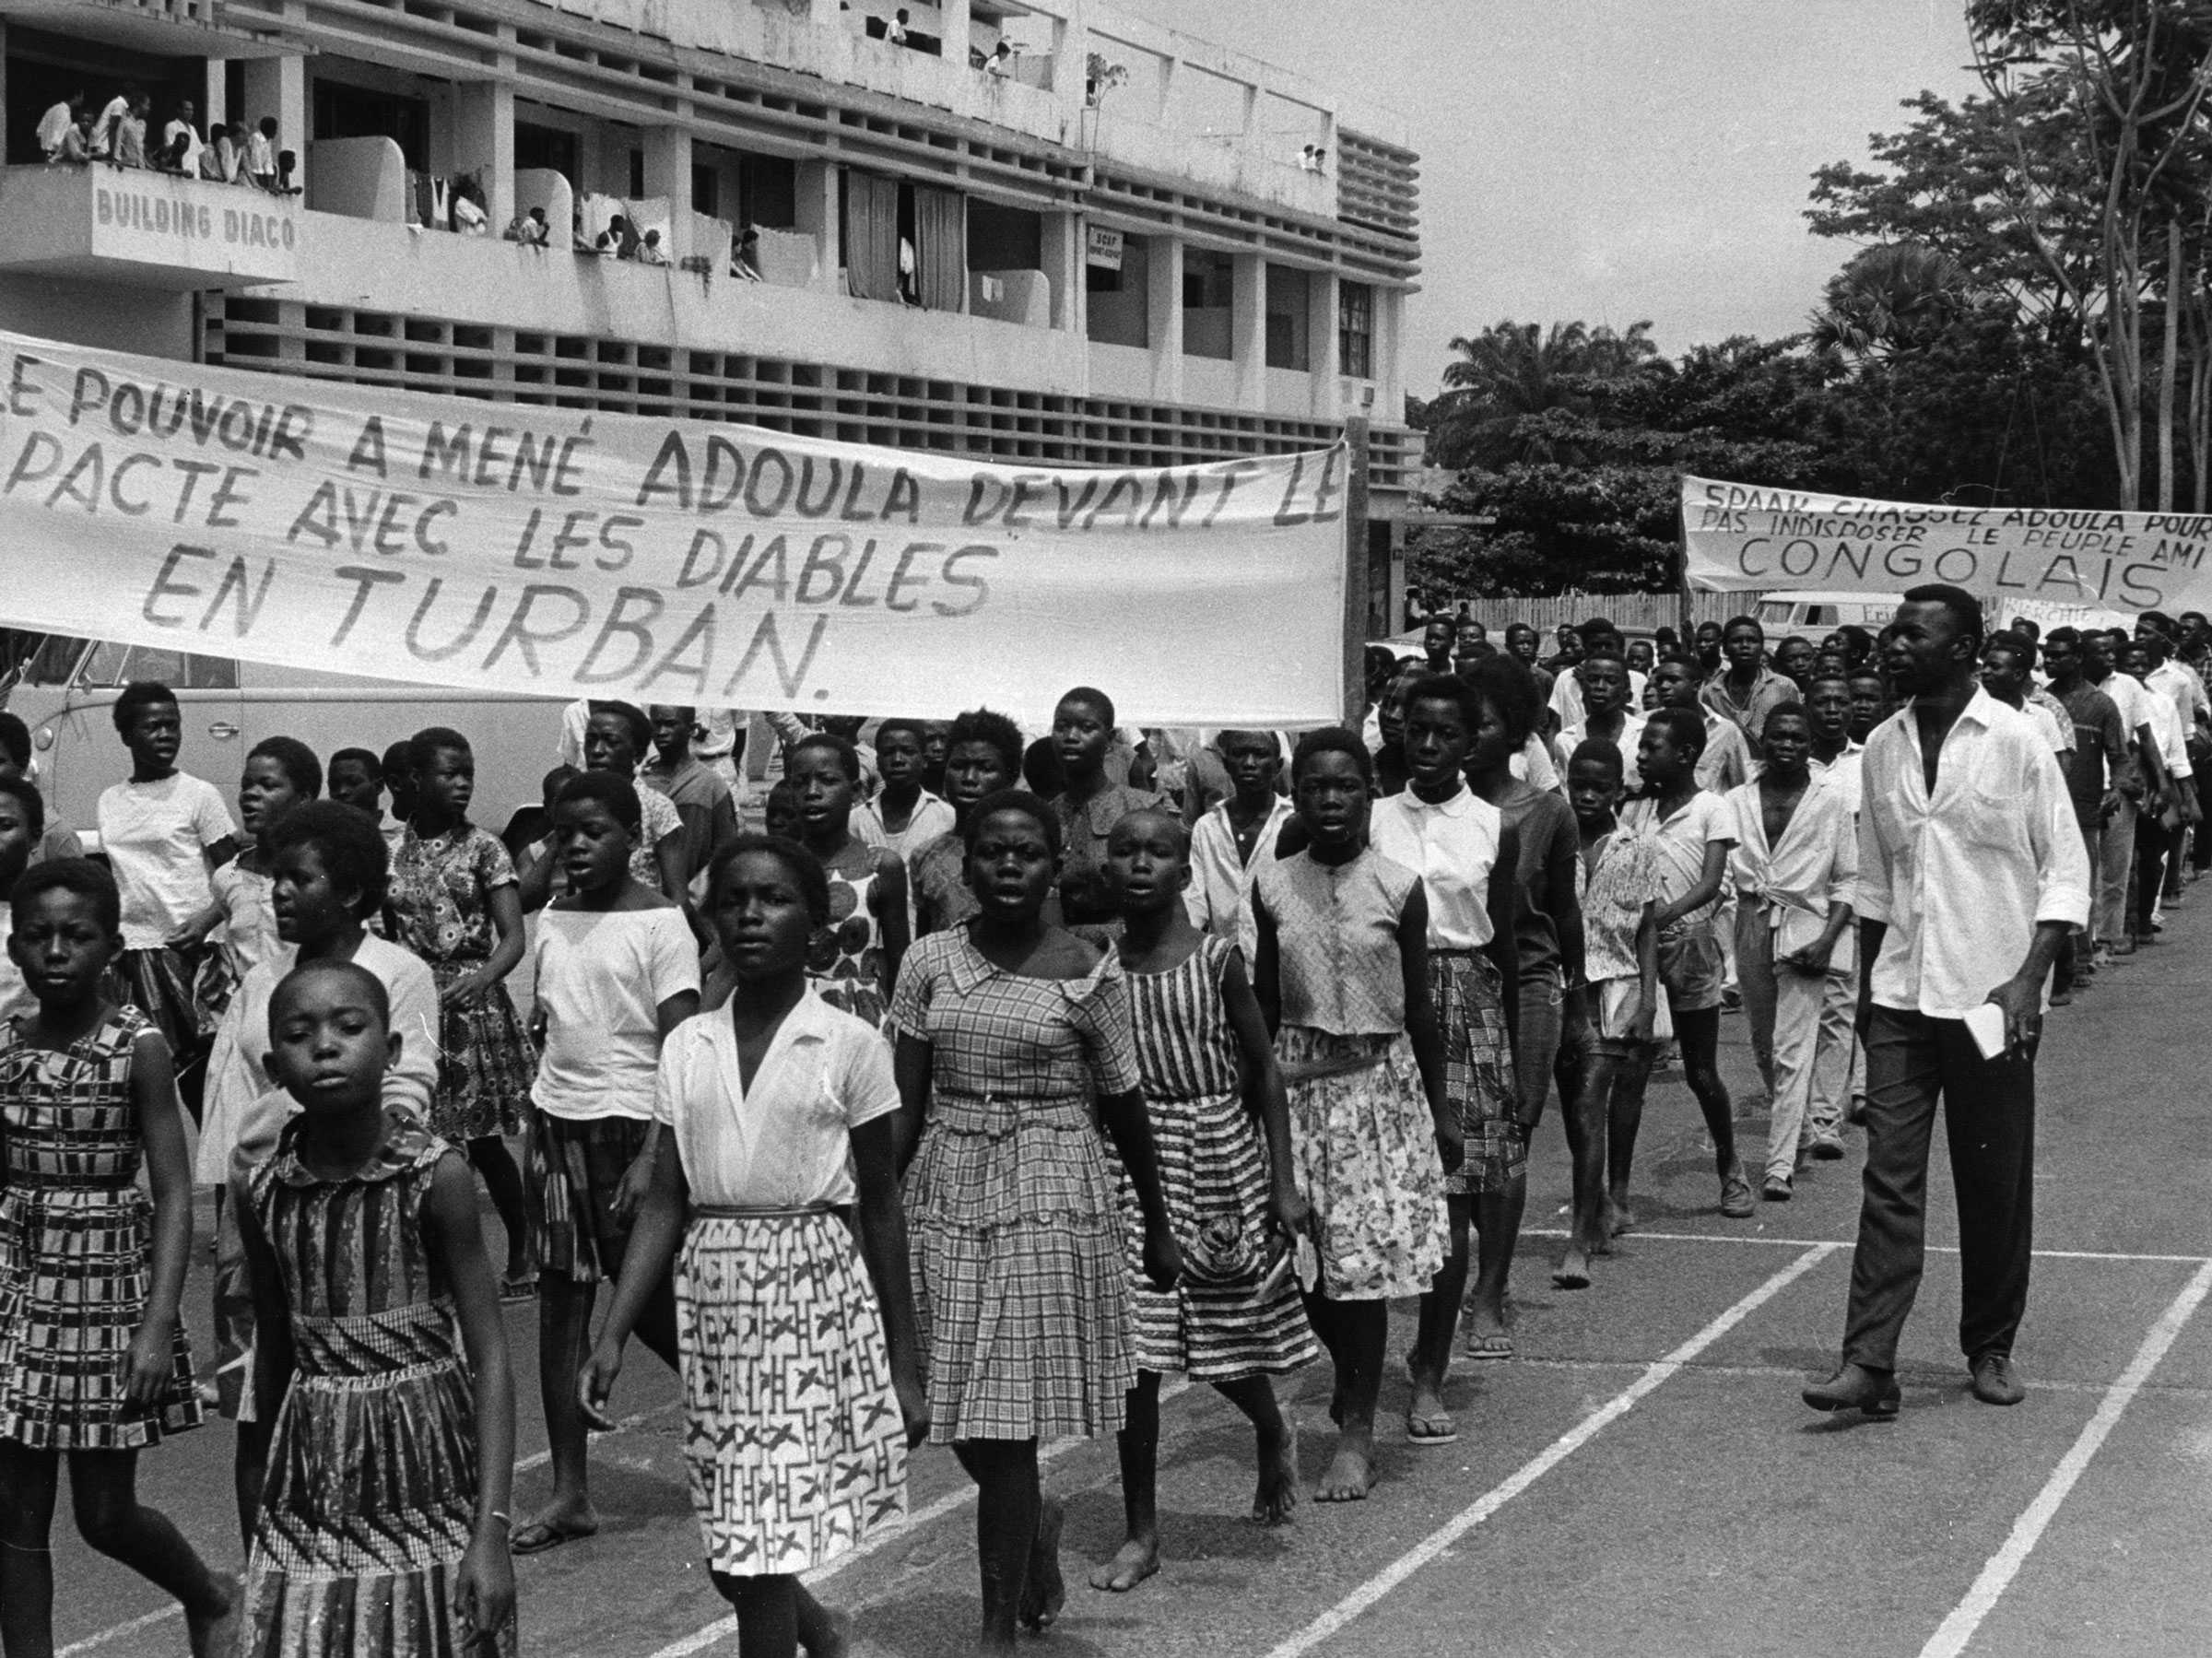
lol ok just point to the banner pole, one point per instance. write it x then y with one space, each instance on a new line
1356 565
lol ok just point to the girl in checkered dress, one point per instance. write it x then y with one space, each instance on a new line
93 1361
1011 1035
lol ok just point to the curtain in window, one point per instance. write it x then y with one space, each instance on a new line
941 228
871 237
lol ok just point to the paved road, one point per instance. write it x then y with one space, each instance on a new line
1642 1480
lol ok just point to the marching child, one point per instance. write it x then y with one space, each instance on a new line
983 758
1221 1135
281 772
855 961
617 972
364 1257
453 902
22 822
93 1363
1343 977
778 1119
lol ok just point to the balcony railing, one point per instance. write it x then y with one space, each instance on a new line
149 230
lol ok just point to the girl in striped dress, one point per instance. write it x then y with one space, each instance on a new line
381 1530
1012 1034
93 1363
1211 1088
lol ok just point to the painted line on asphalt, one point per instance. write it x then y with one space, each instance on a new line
1932 1249
1371 1592
725 1629
1957 1630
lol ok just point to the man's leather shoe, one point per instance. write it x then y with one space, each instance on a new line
1993 1381
1855 1387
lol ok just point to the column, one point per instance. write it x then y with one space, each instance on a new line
1071 48
819 218
1390 315
277 85
1064 252
484 144
1248 330
1321 328
957 28
669 173
215 93
1163 306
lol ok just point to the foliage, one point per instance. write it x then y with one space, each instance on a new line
1514 371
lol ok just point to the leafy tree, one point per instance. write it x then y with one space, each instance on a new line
1513 371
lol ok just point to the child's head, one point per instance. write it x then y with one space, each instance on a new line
398 767
15 745
22 821
281 772
327 867
445 771
1794 658
982 757
1604 679
1668 751
1743 642
672 723
1828 706
148 720
1012 844
1253 759
596 825
329 1036
823 769
765 897
357 780
900 745
1641 655
1594 781
1082 731
780 811
616 738
553 783
1676 682
1786 739
1442 720
1148 861
67 928
1331 775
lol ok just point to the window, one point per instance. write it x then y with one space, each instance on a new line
1356 330
344 112
1119 309
1209 282
1290 320
706 191
111 664
548 147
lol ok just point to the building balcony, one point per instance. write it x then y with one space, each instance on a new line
146 229
158 28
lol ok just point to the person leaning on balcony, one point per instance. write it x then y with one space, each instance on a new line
55 123
181 142
1002 60
895 32
261 155
129 146
113 112
77 143
746 264
650 251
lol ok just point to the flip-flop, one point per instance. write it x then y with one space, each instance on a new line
1498 1343
1437 1430
538 1536
519 1289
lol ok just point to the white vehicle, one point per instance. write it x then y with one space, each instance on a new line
63 689
1814 614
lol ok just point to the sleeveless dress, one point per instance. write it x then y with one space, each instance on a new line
844 959
77 1248
1021 1292
372 1490
1215 1326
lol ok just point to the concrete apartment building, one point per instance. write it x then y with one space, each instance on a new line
1031 230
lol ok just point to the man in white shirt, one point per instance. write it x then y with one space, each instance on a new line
2143 786
1607 713
1969 863
1600 638
111 116
54 124
2159 834
181 125
1233 839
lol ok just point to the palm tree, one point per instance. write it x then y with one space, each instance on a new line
1892 297
1500 382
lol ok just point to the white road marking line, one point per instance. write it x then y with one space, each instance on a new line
1958 1629
1932 1249
725 1629
1370 1593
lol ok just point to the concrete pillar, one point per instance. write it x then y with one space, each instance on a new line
957 28
1071 48
277 85
214 98
1248 330
819 218
669 173
484 144
1164 308
1320 328
1390 377
1063 254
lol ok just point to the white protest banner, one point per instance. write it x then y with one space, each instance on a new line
496 546
1743 535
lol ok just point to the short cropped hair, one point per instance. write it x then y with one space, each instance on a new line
360 977
617 794
90 879
1505 683
295 760
351 847
1012 800
15 738
1966 609
631 715
1685 726
25 793
913 728
1601 751
1792 707
138 694
1090 696
848 757
1332 739
425 745
988 725
360 756
806 870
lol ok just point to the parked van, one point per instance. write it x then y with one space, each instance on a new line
1814 614
64 688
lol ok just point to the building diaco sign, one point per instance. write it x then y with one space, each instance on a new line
153 219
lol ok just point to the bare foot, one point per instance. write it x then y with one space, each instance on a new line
1573 1270
1277 1492
212 1632
1046 1592
1351 1473
1617 1217
1138 1559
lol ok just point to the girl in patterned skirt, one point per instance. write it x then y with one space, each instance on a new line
381 1529
1343 974
1011 1035
802 1383
455 904
1222 1137
854 958
93 1361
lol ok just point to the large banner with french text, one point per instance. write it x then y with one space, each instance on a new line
1744 535
512 548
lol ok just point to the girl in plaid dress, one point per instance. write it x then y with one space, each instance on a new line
456 905
92 1356
1011 1033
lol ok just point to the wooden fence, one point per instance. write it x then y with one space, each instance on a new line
1632 612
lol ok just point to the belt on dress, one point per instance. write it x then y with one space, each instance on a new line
761 1212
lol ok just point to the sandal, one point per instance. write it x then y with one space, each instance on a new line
522 1287
1492 1343
539 1536
1439 1429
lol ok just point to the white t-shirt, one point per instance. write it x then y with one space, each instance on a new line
602 976
781 1144
155 835
1679 842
